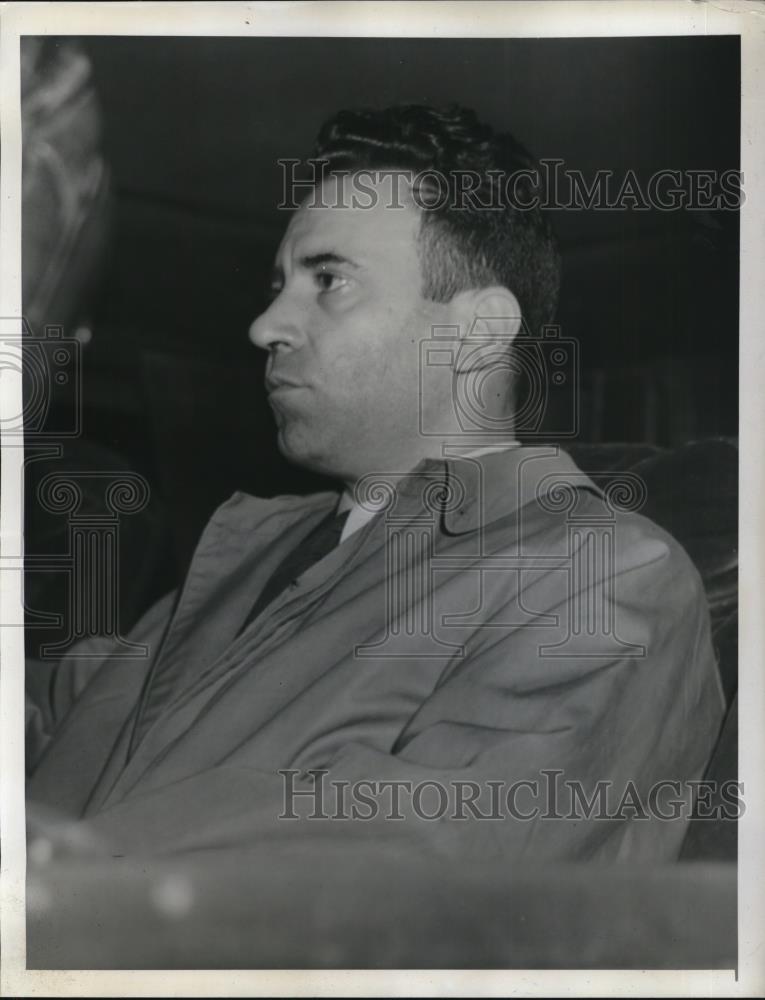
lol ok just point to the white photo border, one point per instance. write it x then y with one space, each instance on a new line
544 18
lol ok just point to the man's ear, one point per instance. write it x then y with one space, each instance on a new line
490 320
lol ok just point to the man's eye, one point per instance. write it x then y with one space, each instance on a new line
328 281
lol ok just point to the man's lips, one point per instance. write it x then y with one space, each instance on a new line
275 383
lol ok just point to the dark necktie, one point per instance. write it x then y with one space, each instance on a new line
324 537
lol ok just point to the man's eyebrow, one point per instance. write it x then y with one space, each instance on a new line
326 257
310 261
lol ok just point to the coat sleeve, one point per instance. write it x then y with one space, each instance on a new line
52 687
521 719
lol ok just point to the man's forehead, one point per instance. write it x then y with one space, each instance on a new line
364 217
383 188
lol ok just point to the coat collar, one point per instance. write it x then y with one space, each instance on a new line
481 489
467 492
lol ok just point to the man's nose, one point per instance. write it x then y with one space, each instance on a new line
277 327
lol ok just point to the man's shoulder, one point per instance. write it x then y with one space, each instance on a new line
574 513
246 510
640 541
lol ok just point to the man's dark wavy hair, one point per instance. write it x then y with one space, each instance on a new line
468 246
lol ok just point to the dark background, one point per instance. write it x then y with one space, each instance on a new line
192 130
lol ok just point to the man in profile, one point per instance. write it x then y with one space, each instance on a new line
464 614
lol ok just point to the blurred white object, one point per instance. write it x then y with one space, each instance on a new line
65 181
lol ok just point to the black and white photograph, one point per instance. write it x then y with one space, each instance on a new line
381 463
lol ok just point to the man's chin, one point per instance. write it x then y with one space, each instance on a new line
297 450
307 454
